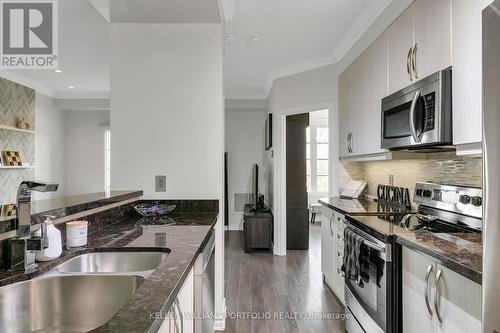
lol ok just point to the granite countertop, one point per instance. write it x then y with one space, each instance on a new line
460 252
355 207
184 240
65 206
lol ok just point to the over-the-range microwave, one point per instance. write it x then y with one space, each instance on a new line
419 115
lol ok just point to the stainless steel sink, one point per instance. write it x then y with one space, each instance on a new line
113 262
64 303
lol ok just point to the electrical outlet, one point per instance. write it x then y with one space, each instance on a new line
391 180
161 183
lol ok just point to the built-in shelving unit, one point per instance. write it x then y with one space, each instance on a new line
15 129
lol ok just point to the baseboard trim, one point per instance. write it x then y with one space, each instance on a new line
220 321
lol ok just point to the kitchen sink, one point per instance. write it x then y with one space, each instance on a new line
113 262
64 303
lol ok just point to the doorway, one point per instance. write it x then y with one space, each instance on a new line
307 176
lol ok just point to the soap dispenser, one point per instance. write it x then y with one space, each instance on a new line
54 250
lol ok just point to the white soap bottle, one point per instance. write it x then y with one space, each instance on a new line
55 244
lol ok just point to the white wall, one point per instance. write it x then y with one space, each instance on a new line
167 108
245 147
50 145
167 116
85 151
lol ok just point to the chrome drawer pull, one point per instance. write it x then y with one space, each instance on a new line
426 290
436 295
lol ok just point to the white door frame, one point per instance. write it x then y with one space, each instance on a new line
280 219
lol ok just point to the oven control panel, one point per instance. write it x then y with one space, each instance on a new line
458 199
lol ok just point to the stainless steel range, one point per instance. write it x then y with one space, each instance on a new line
375 304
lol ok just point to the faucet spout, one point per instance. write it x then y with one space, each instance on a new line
24 203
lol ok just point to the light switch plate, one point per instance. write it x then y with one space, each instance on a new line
161 183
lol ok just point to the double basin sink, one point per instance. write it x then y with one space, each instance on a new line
80 295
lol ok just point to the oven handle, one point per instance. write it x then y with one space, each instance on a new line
384 249
414 133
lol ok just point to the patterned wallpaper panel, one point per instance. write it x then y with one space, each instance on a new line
443 168
16 102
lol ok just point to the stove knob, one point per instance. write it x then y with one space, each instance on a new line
464 199
477 201
427 193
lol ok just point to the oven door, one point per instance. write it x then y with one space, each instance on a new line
370 301
418 115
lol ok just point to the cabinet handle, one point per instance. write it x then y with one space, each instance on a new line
340 255
414 60
349 143
331 230
340 238
339 272
436 295
426 290
408 66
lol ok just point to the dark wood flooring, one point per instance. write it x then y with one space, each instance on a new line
267 293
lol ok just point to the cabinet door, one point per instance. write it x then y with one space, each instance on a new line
460 303
356 105
327 245
344 123
467 71
186 303
432 27
375 88
400 42
416 316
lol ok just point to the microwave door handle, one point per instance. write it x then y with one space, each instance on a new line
413 129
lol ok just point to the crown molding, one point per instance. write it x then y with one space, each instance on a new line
82 94
360 26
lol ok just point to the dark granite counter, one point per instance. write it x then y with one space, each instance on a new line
62 207
355 207
183 240
460 252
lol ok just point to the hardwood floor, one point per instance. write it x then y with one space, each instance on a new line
267 293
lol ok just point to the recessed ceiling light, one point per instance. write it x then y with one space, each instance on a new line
58 71
71 86
255 38
229 39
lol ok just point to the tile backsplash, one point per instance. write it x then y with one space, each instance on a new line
16 102
443 168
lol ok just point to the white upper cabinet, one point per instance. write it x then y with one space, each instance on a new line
419 42
432 37
375 88
400 50
361 89
344 115
467 71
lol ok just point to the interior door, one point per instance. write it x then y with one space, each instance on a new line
297 213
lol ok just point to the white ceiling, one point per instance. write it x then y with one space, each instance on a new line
297 35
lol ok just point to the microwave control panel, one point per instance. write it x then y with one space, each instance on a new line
429 110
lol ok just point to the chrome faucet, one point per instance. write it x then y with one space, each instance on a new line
23 247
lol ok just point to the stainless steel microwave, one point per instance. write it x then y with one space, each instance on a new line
419 115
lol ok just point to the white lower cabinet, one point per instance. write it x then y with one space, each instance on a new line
332 250
436 299
181 315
